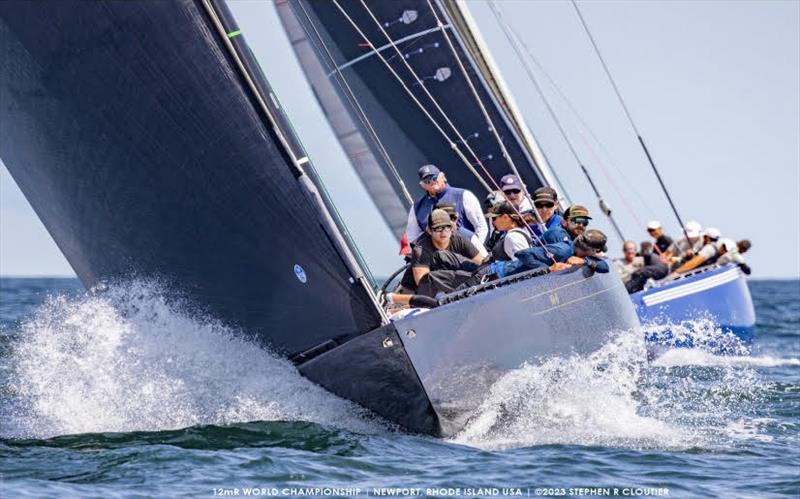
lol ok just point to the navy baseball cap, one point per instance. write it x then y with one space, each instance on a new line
510 182
427 171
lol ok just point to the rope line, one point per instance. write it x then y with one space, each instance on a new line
452 144
507 27
421 83
359 110
630 119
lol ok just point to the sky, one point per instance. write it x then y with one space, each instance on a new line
713 86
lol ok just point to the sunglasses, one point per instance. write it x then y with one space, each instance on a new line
445 228
513 191
544 205
580 221
430 179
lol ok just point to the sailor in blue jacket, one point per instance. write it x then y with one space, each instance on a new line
558 245
545 202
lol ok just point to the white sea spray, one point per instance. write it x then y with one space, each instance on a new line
689 398
128 359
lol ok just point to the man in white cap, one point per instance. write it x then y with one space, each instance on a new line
731 251
705 255
685 247
467 206
662 242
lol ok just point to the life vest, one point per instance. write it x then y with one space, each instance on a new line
450 195
499 251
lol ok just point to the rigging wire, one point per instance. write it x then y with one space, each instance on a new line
505 25
425 111
630 119
513 40
438 127
477 97
421 83
359 110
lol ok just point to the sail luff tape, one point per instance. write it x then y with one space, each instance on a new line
234 34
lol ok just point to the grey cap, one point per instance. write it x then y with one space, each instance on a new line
439 218
592 239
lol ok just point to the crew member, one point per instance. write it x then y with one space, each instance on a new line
467 206
515 192
589 249
629 263
545 200
662 241
507 220
685 247
440 260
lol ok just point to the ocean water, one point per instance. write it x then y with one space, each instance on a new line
122 394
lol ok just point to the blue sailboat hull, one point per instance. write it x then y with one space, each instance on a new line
719 294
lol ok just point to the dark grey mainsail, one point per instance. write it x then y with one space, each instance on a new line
134 131
347 48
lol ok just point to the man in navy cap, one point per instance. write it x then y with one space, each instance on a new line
515 192
433 181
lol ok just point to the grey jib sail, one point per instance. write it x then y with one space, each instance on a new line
384 132
135 134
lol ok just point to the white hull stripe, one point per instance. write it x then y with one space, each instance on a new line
692 288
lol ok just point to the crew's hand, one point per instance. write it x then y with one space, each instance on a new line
575 260
559 266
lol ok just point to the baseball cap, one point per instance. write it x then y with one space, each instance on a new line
439 218
692 229
545 195
503 208
427 171
713 233
510 182
653 225
577 210
592 239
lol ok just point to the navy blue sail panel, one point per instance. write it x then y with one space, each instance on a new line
133 136
409 137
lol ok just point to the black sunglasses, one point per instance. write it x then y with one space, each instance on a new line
445 228
512 191
580 221
544 205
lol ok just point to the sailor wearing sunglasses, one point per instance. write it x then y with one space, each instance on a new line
468 208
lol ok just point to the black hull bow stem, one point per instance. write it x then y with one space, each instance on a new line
149 144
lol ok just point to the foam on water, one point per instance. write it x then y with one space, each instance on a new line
129 360
614 397
698 357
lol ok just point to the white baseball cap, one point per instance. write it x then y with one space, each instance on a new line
693 229
653 225
713 233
